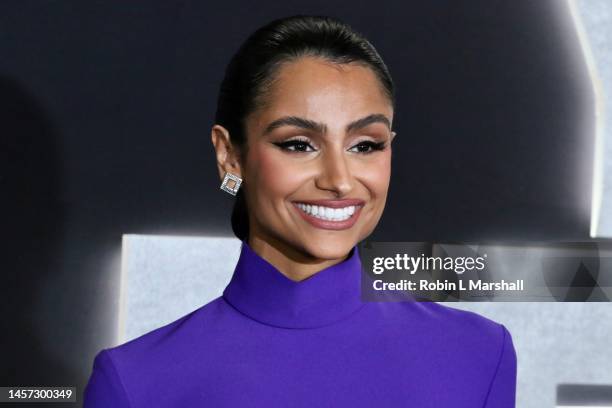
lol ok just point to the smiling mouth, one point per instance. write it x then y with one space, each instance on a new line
328 213
336 215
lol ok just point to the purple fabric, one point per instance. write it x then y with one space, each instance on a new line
270 341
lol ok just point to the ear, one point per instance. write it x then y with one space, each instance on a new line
227 154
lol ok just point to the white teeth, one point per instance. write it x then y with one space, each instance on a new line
328 213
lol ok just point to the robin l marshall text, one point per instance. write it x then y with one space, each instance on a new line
447 285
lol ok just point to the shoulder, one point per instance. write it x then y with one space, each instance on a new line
474 338
466 335
487 345
153 358
455 321
481 350
473 330
176 336
462 320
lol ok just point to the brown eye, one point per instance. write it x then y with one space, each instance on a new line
368 147
298 146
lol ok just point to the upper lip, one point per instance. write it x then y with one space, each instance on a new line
334 203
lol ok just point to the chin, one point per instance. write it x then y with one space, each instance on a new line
329 248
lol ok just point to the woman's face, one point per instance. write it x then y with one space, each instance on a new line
319 158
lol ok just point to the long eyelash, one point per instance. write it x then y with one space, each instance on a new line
295 142
379 145
375 146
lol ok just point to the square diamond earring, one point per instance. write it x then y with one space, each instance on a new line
231 183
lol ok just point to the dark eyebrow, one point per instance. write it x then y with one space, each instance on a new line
308 124
296 121
368 120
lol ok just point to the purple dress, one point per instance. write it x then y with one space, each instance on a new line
272 342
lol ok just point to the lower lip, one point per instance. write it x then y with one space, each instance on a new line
328 224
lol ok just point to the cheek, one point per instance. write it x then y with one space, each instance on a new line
273 176
375 174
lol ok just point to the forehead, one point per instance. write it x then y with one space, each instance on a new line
320 90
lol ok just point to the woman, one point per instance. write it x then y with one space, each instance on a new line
303 136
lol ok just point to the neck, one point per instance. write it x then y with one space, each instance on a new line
295 264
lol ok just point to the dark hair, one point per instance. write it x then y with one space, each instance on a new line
252 70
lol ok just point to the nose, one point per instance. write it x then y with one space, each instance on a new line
335 174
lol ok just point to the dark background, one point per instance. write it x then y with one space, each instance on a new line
105 116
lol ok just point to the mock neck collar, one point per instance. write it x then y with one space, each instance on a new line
261 292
